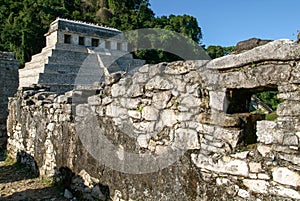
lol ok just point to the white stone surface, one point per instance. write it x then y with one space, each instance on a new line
150 113
257 186
286 176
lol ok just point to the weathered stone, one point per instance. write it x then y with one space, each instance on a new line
179 67
257 186
159 83
284 192
190 101
220 119
267 132
134 114
264 150
150 113
284 175
114 110
161 99
168 117
241 155
291 158
281 50
218 101
135 90
118 90
289 108
94 100
143 141
230 166
255 167
263 176
243 193
186 138
290 140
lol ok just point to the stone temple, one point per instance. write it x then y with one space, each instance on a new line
73 48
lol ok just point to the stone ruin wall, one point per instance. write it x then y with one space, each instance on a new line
195 105
8 87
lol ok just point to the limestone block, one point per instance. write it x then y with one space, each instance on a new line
168 117
135 90
294 96
161 99
267 133
94 100
140 77
263 176
243 193
257 186
217 100
284 192
114 110
134 114
255 167
225 165
230 136
143 140
290 140
264 150
186 139
150 113
190 101
118 90
284 175
289 108
282 50
290 157
159 83
144 69
179 67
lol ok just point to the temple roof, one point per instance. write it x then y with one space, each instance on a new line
83 28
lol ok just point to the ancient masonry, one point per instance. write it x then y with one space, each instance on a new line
72 47
8 87
198 106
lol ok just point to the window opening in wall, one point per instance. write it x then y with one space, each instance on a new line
107 44
119 46
67 39
95 42
81 40
252 105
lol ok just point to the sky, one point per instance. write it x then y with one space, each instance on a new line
226 22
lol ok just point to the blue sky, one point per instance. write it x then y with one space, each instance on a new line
225 22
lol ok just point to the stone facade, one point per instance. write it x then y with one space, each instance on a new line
191 117
8 87
73 46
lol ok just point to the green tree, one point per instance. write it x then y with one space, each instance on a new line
219 51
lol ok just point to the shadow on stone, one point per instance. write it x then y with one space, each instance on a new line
48 193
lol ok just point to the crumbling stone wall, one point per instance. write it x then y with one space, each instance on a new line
8 87
190 116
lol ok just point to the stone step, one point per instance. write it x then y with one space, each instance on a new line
25 81
41 57
58 78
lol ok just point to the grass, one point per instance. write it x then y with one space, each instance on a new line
272 116
9 160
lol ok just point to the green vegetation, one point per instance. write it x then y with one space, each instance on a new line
24 23
270 98
9 160
219 51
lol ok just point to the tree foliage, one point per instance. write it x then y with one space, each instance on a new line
219 51
23 23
